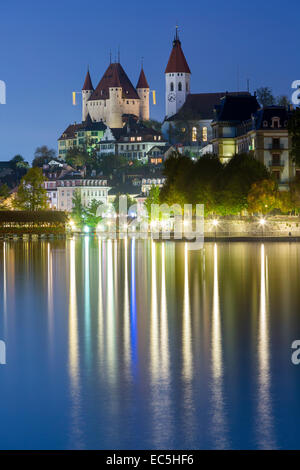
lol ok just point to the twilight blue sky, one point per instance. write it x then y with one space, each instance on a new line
45 48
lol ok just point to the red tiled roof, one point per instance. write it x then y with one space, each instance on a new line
115 76
177 61
142 82
88 82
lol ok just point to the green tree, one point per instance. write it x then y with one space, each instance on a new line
265 96
92 218
78 212
235 182
294 131
31 194
283 100
263 197
43 155
4 191
153 198
285 202
18 163
77 157
130 201
204 182
153 124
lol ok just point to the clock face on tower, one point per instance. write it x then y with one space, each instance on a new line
171 97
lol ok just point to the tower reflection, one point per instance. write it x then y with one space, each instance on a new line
265 418
187 353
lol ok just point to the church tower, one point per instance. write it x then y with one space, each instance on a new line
178 76
143 91
86 92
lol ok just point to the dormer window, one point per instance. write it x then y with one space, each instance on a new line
276 122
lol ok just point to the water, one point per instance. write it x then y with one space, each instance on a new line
135 344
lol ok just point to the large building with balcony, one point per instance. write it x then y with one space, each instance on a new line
240 126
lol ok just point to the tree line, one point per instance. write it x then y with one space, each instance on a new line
243 185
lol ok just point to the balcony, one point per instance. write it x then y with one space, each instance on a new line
276 164
275 147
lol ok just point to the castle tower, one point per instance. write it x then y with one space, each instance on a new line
114 119
143 91
178 76
86 92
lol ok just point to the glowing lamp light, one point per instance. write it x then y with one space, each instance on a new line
262 221
72 224
215 222
86 229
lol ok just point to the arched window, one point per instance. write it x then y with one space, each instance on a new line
204 134
194 134
179 86
276 122
171 86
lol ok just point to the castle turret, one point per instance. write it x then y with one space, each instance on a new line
86 92
143 92
177 75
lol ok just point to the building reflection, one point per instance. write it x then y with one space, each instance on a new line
265 418
164 334
4 286
219 427
154 331
187 354
127 348
110 314
87 302
100 303
50 293
133 308
74 372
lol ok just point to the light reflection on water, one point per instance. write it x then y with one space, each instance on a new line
135 344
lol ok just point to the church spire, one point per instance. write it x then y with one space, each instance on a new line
177 61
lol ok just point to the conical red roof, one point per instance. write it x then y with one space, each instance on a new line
115 76
142 81
177 61
88 82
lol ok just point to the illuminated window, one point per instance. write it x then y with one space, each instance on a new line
204 134
179 86
194 134
172 86
132 139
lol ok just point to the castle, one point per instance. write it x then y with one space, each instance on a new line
115 97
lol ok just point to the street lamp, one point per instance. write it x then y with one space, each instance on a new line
262 222
215 223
